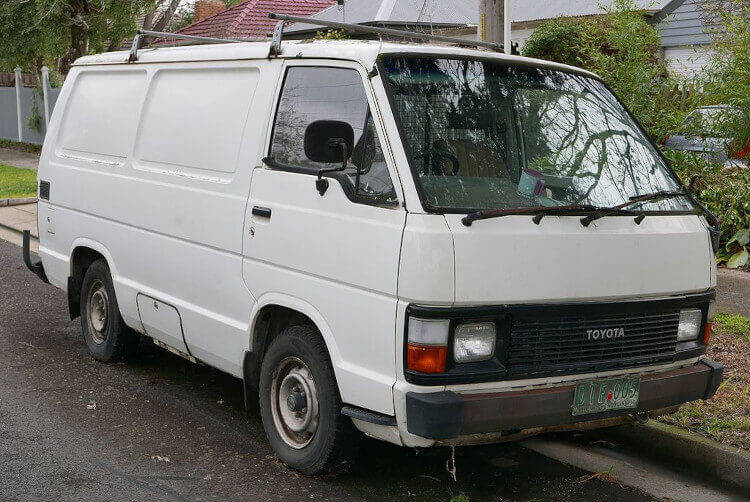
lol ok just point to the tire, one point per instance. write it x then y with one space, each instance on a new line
297 364
107 336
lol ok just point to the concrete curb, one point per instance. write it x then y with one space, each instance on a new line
14 230
17 201
695 454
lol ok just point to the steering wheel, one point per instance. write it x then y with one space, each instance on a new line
435 156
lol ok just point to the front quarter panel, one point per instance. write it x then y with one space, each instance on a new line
426 272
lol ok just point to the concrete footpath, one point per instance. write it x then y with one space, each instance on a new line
19 218
15 158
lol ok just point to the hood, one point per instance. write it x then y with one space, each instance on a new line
512 260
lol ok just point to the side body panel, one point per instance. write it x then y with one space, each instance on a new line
155 176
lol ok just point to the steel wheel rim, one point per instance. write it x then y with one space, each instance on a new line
97 312
294 402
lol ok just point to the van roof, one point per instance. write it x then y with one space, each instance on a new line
363 51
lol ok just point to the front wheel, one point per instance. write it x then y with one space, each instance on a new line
300 404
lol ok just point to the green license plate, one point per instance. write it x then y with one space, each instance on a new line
596 396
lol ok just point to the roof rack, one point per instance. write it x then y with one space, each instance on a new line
374 30
278 34
140 34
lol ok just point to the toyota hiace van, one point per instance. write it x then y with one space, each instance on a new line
427 244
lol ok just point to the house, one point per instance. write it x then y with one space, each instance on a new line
249 19
686 32
684 29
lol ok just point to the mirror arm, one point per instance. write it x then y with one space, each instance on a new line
322 184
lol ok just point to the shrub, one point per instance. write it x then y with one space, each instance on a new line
726 194
728 80
34 120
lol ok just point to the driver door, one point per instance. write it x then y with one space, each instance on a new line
336 252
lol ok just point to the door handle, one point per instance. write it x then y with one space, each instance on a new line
262 212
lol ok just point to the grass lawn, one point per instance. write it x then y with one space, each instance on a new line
17 182
726 417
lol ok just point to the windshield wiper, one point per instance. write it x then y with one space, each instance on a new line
635 199
596 212
538 212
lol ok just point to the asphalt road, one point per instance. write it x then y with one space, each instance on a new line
164 429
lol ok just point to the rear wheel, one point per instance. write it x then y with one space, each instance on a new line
301 407
107 336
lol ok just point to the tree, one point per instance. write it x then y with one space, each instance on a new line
60 31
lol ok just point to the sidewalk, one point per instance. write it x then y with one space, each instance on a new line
733 292
19 218
19 159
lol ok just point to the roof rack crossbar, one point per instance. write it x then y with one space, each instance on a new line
388 31
140 34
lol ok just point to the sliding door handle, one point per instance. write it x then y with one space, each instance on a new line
261 212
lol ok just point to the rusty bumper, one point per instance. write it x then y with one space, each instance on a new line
445 415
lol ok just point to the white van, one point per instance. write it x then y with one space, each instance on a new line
429 244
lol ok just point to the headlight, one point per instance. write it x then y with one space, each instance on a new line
690 325
474 342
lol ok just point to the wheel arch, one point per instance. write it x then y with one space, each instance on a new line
271 314
83 253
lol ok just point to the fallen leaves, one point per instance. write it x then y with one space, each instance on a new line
605 476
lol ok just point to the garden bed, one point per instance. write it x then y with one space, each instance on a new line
20 146
726 417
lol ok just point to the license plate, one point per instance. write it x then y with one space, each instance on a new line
596 396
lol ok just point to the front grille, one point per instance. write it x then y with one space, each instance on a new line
561 345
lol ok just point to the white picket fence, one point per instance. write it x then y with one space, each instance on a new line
16 106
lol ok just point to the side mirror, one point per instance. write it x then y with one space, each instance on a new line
328 141
325 140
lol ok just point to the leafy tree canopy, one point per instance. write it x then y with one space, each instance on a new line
57 32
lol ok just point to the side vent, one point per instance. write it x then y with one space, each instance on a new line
44 190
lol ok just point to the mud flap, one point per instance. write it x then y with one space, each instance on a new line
37 268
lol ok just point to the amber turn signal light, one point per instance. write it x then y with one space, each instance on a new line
707 333
426 359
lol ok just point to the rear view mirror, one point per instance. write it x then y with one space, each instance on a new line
329 141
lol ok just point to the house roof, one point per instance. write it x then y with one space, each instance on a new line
443 13
538 10
458 12
250 19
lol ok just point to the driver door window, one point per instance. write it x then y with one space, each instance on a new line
314 94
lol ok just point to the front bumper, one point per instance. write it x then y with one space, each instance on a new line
447 414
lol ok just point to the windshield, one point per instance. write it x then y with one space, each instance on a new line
485 135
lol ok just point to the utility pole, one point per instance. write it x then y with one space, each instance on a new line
494 22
